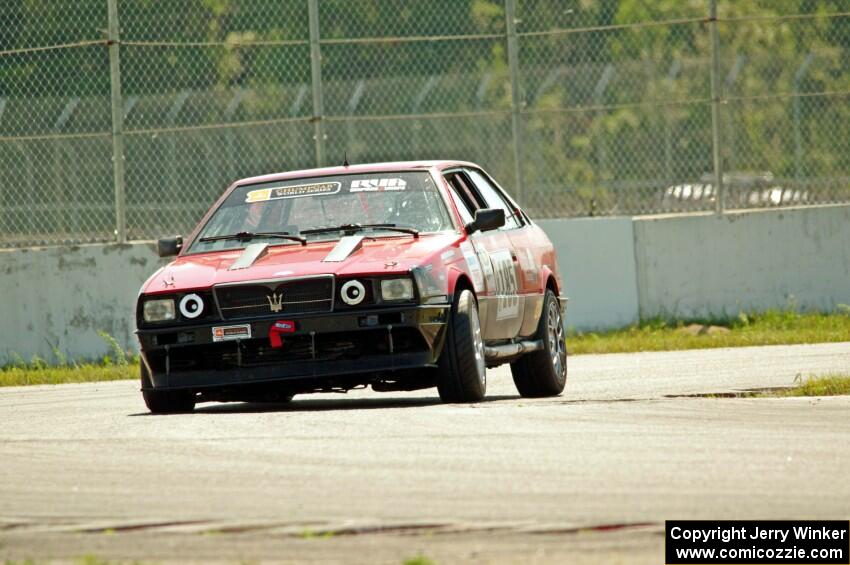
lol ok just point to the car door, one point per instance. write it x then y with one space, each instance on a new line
499 304
527 244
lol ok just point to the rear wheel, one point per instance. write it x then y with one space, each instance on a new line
544 372
462 375
165 402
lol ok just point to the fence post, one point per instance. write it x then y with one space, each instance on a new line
715 107
316 73
117 123
516 116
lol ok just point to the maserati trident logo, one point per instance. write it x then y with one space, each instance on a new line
275 301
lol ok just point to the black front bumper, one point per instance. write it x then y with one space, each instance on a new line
322 345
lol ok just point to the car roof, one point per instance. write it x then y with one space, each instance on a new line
355 169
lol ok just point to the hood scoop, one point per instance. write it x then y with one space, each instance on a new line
345 247
249 256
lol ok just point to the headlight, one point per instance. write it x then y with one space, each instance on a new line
396 289
159 310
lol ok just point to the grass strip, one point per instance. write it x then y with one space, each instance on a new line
824 385
20 376
769 328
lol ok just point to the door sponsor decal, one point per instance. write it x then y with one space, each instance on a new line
474 266
487 267
507 305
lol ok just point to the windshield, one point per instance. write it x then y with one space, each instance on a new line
404 199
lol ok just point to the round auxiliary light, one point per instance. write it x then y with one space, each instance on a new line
353 293
191 306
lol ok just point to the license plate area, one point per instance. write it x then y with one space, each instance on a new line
231 333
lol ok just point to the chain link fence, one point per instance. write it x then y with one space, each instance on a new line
125 119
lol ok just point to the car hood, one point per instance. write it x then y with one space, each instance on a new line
383 255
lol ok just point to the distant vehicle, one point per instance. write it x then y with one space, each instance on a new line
398 276
743 190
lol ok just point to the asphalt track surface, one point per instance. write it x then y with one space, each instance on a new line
377 478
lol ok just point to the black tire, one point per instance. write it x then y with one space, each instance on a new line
166 402
462 376
544 372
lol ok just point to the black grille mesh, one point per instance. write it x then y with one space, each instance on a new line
290 297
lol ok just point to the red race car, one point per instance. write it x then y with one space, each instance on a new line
398 276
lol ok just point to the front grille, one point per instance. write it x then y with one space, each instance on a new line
300 296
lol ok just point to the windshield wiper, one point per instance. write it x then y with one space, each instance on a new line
351 228
248 235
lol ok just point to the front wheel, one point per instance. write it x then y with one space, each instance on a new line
544 372
462 375
165 402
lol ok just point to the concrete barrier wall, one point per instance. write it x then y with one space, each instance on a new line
709 265
616 270
596 257
61 297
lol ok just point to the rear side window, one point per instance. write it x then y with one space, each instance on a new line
493 198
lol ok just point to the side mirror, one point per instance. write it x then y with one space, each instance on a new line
486 219
169 246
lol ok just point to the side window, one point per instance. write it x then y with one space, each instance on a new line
493 199
466 200
467 191
462 206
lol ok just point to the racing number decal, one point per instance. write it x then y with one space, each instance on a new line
498 270
506 285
